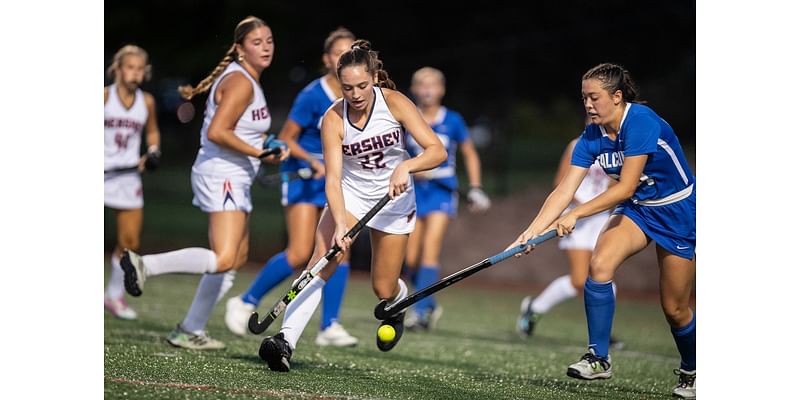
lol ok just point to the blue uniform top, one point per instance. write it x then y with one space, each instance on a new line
307 111
451 129
642 131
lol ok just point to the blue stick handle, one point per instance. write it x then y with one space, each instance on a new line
514 250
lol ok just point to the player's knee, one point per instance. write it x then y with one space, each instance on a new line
601 269
241 258
578 283
226 261
677 315
297 257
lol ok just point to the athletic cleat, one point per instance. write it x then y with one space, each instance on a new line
685 389
188 340
615 343
425 321
526 322
119 308
335 335
237 314
133 267
396 322
275 350
590 367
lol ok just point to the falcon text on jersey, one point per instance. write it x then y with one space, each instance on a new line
611 160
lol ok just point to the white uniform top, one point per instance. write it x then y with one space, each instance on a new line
123 130
370 155
595 182
213 160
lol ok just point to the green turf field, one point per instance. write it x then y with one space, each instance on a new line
473 354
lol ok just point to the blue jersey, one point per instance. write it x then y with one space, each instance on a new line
642 131
451 129
307 111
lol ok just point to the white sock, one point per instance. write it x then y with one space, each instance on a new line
614 288
402 294
300 310
210 290
115 288
193 260
557 291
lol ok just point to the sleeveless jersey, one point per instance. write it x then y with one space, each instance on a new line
215 160
123 130
451 129
371 154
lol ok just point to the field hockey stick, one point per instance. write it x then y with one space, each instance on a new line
257 326
382 312
443 185
122 170
274 179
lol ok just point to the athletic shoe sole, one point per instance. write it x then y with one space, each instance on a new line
131 277
574 373
271 353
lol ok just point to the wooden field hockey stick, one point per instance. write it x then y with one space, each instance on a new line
382 312
257 326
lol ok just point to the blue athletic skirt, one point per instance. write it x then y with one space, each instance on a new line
672 226
309 191
433 197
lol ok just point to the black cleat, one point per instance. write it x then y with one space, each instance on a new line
275 350
395 322
133 268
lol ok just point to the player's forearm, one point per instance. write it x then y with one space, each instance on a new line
333 192
552 208
153 139
430 158
606 200
473 164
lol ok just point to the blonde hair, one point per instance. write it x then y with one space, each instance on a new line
242 29
130 49
427 71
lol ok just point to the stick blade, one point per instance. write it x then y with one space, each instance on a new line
380 311
258 327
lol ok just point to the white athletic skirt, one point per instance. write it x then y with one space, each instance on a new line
399 216
123 191
215 194
585 234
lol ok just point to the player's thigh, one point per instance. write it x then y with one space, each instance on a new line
415 240
621 239
676 283
129 228
226 229
387 260
578 266
436 227
301 224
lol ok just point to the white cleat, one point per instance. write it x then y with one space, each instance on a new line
335 335
134 270
237 314
120 309
590 367
685 389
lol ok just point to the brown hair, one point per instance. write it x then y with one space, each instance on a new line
614 77
338 33
129 49
242 29
361 53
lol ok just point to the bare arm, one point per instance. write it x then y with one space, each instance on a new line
615 194
433 154
332 137
153 137
472 162
233 95
289 133
564 163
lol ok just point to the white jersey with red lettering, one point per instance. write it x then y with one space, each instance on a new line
369 156
123 130
214 160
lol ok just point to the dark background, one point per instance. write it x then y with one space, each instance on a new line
512 72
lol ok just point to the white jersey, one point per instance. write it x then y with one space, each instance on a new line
586 231
595 182
369 156
213 160
123 130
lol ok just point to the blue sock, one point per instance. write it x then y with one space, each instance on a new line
598 299
685 339
272 274
426 276
332 295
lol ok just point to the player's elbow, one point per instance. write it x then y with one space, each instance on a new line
438 153
215 135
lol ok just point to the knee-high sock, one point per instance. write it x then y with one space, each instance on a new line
559 290
333 294
402 294
300 310
598 299
192 260
115 288
685 339
211 289
275 271
426 276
